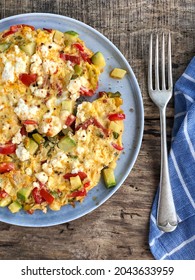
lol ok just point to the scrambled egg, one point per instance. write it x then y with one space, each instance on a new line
53 149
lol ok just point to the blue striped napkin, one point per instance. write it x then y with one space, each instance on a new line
180 244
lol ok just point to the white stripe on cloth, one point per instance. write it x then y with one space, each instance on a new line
188 77
185 95
188 137
181 179
180 114
179 247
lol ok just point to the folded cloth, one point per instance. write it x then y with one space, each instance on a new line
180 244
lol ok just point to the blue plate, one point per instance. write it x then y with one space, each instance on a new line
133 108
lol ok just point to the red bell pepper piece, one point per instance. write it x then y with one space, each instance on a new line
117 147
86 92
23 131
69 121
46 195
3 194
73 58
116 117
26 122
7 33
86 185
37 196
7 149
94 122
82 175
48 30
27 79
99 125
15 28
78 46
78 193
6 167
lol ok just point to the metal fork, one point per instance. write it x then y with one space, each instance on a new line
166 213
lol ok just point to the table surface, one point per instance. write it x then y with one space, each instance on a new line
119 228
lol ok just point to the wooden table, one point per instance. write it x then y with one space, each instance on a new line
119 228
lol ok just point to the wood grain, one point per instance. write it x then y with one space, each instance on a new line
119 228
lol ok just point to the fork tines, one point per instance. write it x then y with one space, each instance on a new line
156 64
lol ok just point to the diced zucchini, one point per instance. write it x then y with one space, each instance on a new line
118 73
28 48
72 33
31 145
98 60
65 131
70 37
78 70
66 144
38 138
115 135
58 37
24 193
67 105
15 207
109 178
115 127
114 94
4 46
75 182
5 201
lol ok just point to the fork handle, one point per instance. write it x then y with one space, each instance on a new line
166 213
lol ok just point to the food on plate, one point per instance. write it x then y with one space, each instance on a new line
118 73
54 145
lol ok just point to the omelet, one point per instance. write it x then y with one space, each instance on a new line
53 148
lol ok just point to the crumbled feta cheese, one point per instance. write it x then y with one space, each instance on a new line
81 134
59 160
81 112
36 185
50 124
16 49
24 112
44 50
22 153
40 80
28 171
36 62
1 107
8 72
47 168
75 85
20 65
75 167
80 150
49 66
42 93
17 139
42 177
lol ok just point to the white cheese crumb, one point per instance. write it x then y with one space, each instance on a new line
36 185
42 93
24 112
28 171
59 160
17 139
42 177
22 153
8 72
47 168
49 66
1 107
82 135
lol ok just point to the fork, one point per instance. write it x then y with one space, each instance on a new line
166 212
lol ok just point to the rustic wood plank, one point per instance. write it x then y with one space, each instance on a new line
119 228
